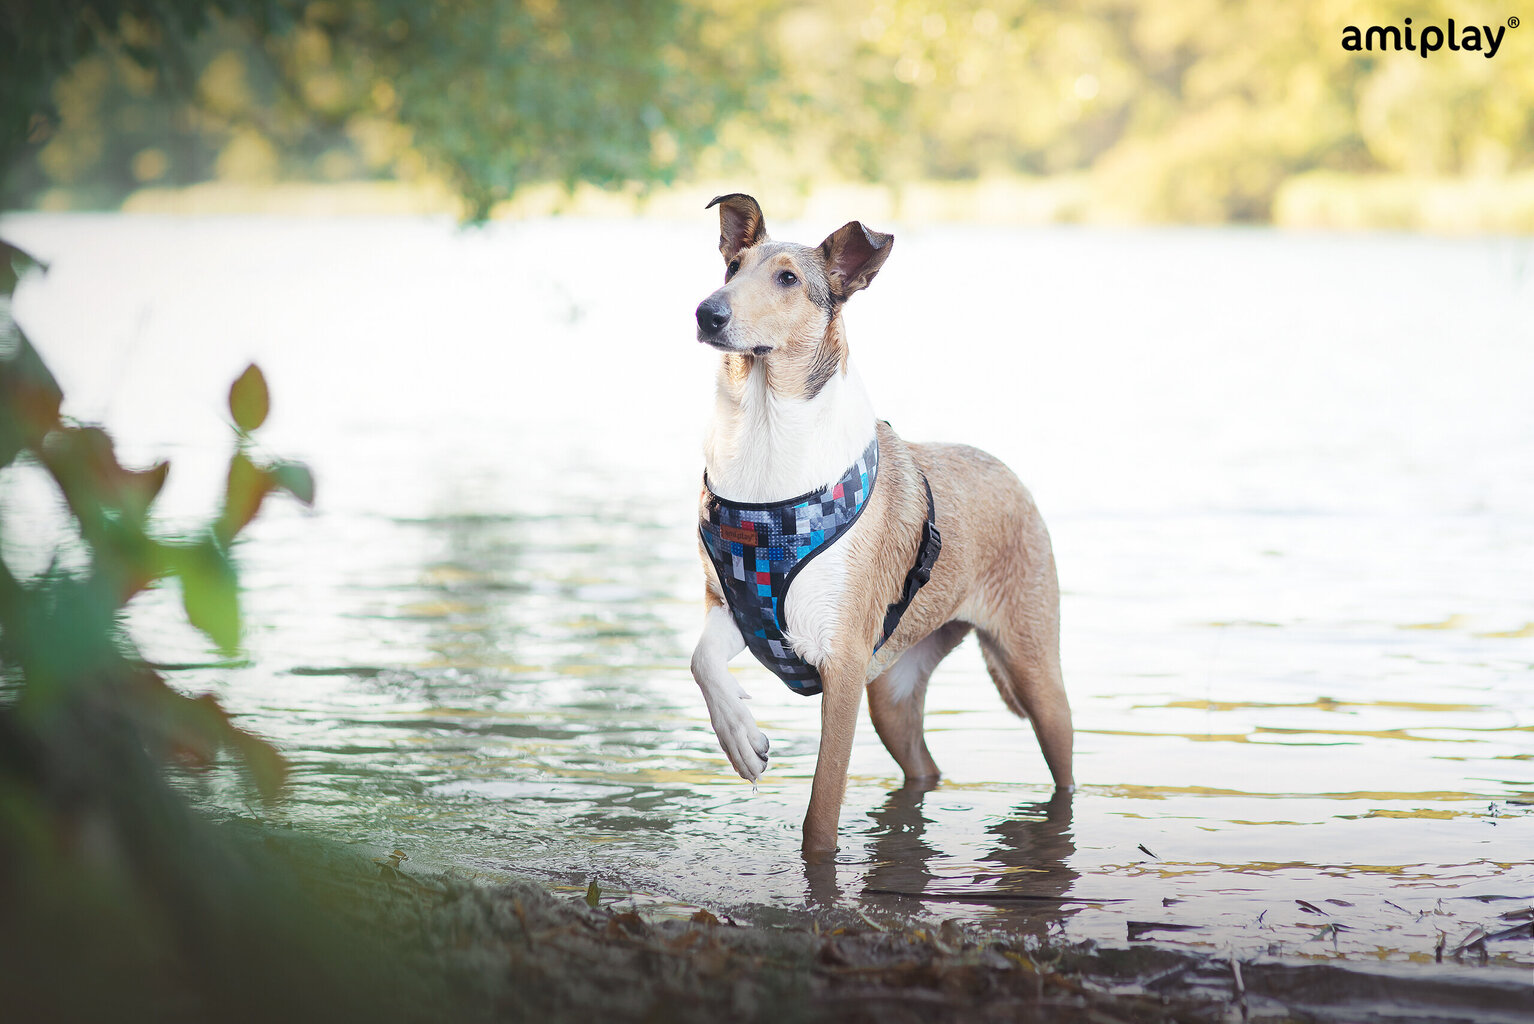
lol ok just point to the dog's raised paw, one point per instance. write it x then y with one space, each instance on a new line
750 759
744 744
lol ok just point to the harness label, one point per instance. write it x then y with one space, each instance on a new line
738 534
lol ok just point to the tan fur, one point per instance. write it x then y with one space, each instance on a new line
804 337
996 572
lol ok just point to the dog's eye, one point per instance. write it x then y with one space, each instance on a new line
787 278
732 269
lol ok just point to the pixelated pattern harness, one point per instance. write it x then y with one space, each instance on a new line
758 549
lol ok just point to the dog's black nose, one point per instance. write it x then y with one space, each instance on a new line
713 314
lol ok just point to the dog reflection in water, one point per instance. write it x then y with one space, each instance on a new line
1031 850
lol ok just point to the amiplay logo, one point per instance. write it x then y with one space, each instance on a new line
1431 39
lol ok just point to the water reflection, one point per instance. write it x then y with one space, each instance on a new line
1032 847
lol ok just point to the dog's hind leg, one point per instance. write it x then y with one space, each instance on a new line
897 701
1023 655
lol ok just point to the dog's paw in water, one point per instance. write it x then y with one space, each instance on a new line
741 740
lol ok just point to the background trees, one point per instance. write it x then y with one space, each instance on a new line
1196 111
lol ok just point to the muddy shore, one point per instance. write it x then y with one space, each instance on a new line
244 922
519 952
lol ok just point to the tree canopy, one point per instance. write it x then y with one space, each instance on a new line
486 94
1196 111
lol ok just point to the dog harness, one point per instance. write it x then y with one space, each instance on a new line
758 549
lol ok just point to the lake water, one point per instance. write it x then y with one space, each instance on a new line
1290 480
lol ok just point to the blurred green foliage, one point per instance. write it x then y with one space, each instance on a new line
487 95
1191 111
1194 111
116 900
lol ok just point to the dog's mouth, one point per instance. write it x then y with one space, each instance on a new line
715 342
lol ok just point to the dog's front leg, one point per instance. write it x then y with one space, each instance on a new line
743 743
843 681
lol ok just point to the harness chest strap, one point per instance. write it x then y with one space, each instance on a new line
758 549
921 573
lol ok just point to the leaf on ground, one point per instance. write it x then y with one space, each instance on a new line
629 922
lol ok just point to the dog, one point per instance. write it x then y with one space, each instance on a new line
844 557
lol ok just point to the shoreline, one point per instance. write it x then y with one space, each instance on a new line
1312 201
523 953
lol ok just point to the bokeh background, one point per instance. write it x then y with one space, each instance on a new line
1025 112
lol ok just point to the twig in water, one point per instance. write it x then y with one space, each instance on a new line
1474 942
939 896
1521 930
1138 929
1235 969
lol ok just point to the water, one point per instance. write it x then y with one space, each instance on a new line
1288 479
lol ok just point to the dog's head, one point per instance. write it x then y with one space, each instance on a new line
781 300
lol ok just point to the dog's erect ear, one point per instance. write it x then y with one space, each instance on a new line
740 223
853 256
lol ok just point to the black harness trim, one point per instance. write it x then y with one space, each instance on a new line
921 573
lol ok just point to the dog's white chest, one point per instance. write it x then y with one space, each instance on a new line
812 610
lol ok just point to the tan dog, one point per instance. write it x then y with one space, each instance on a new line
791 417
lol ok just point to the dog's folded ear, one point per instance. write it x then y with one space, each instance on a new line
740 223
853 255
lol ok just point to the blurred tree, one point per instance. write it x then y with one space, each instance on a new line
487 94
1194 111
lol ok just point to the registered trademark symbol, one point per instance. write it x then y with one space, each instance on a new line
1513 22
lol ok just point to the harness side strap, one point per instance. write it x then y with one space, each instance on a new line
921 572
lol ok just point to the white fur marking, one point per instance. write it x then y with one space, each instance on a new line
763 446
812 607
740 739
916 664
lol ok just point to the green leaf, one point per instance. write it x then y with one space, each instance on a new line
249 401
14 264
593 894
247 487
210 591
29 395
268 768
194 729
296 479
